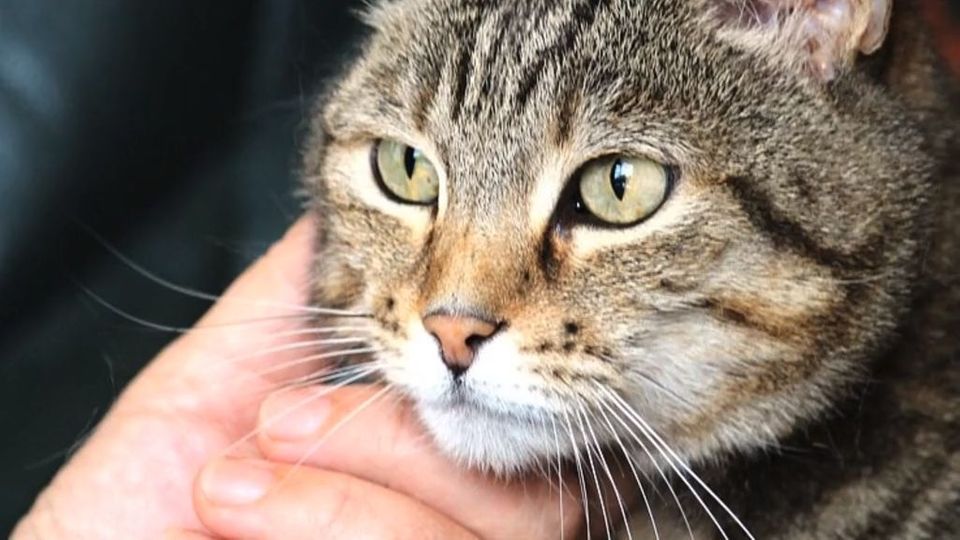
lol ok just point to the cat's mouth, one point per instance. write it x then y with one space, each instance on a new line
466 400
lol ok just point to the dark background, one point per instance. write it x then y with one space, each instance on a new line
172 128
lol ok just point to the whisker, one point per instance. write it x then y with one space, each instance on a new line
290 409
660 387
613 483
336 379
321 330
289 347
633 471
695 476
194 293
656 465
160 327
661 446
253 320
539 470
629 413
339 425
183 330
327 373
556 442
312 378
596 477
580 474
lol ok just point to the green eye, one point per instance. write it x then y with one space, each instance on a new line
622 190
405 173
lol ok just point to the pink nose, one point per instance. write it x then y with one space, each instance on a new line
459 338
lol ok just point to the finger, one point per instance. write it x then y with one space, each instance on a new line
385 444
257 500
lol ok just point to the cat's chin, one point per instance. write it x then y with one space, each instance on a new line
481 439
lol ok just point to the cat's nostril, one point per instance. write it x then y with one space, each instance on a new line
459 337
475 341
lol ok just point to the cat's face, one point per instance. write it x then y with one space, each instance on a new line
608 209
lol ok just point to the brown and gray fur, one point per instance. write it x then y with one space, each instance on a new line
787 321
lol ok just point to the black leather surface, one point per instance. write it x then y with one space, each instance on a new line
171 128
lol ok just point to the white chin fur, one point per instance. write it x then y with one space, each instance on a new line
487 442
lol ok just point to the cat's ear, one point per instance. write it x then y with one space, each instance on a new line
822 37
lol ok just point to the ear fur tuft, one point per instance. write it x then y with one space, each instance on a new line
820 37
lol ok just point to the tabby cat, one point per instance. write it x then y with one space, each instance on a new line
703 249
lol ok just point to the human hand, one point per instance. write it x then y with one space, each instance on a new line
377 476
133 477
350 464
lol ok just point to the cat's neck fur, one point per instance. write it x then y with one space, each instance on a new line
884 464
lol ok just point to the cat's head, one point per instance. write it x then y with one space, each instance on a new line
577 221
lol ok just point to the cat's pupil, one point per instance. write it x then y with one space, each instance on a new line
410 160
619 175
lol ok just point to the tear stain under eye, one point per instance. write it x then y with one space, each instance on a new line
425 251
554 249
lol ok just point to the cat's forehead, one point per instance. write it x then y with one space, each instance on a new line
468 71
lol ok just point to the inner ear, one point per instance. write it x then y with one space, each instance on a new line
822 37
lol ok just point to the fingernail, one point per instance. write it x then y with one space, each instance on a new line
236 482
294 415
